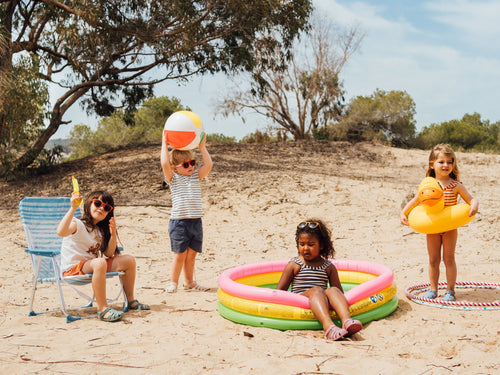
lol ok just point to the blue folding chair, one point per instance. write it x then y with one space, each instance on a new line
40 217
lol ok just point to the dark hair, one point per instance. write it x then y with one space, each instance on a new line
103 225
324 235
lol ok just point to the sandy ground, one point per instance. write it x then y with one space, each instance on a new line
253 200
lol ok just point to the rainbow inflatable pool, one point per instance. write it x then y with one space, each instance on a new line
247 295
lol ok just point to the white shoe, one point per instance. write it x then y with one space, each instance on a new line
171 287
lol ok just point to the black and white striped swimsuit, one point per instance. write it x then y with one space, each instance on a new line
308 276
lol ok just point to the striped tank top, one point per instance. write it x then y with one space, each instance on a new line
450 196
186 197
308 276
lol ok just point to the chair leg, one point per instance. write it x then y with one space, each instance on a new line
33 290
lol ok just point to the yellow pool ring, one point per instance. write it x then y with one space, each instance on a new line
430 216
273 310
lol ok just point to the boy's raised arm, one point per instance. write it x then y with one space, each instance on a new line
207 160
165 160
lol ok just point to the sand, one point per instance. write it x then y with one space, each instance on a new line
253 199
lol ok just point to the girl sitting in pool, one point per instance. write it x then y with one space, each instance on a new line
311 272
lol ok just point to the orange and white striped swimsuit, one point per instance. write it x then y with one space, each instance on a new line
450 196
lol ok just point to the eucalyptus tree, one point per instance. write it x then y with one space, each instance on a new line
105 53
305 92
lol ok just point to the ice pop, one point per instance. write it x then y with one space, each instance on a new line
76 189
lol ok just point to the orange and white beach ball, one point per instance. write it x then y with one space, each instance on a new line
184 130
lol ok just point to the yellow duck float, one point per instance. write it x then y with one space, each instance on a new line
431 216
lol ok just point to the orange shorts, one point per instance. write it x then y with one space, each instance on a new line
77 268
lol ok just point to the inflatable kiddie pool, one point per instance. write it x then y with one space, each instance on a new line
247 295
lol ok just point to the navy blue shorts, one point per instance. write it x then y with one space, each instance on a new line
185 233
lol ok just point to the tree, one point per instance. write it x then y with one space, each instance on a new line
470 132
24 99
303 93
109 52
114 131
388 116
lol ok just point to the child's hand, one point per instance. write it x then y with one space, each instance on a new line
474 207
404 219
112 227
203 140
164 138
76 199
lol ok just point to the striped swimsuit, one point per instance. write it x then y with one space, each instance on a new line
308 276
450 197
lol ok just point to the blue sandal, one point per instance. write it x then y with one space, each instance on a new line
136 305
113 315
449 296
431 294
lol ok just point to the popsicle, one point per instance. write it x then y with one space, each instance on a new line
76 189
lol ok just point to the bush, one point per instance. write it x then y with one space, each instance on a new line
218 137
469 133
257 137
120 130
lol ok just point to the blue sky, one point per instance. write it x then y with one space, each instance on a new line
445 54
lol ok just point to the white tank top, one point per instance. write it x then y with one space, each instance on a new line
81 245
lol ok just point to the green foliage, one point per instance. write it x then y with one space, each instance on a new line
257 137
120 129
48 159
384 116
24 100
469 133
108 54
219 137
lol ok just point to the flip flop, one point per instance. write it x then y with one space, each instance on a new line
113 315
352 326
335 333
137 306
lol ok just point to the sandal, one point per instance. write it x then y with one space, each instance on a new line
431 294
112 315
352 326
335 333
195 286
171 287
136 305
449 296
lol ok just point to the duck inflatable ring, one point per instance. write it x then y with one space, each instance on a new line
431 216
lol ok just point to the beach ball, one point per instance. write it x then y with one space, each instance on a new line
184 130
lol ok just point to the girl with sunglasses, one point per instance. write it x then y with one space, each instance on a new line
86 240
311 272
185 226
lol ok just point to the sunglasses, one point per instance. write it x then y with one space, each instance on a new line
308 224
98 203
186 164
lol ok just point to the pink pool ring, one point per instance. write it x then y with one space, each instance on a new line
384 278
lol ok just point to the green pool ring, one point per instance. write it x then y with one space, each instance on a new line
287 324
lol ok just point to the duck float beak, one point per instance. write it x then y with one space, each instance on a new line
429 192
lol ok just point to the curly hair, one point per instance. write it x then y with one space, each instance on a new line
322 232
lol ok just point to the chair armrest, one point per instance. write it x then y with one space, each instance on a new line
43 252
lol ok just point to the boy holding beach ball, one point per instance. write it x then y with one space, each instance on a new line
183 131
